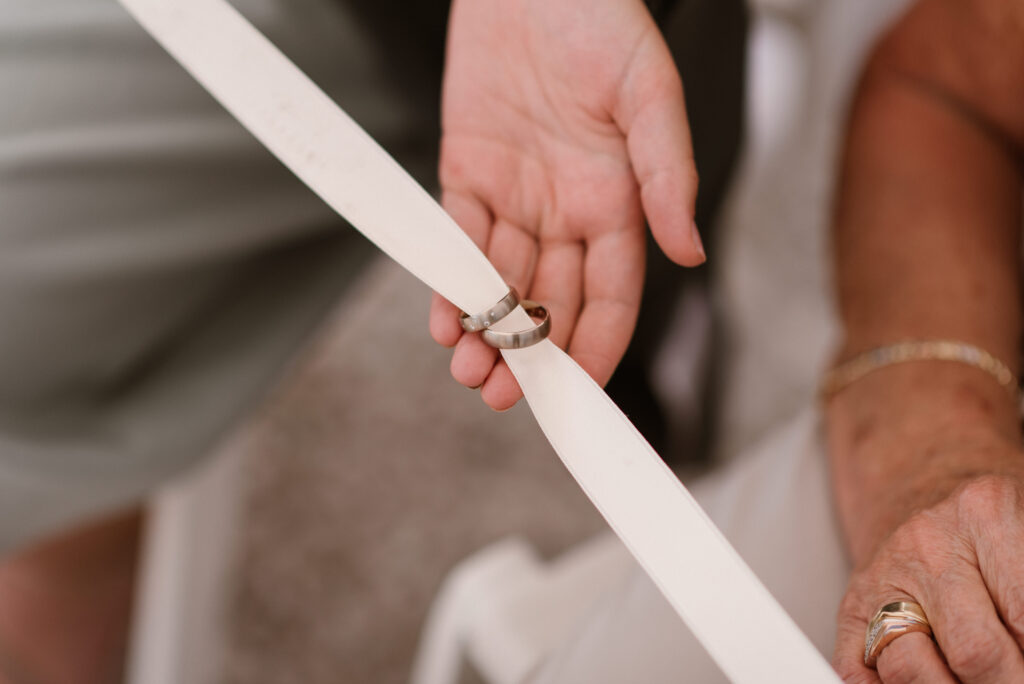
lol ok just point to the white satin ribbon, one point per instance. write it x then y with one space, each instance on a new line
736 619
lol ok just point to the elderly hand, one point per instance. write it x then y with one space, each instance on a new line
564 125
962 560
929 478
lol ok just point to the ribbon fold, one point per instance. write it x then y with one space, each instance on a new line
735 618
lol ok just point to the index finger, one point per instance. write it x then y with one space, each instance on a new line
476 221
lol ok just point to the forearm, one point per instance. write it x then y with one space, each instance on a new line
927 239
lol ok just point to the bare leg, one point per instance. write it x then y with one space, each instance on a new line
65 605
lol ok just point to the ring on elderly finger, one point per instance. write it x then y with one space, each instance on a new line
892 621
482 321
521 338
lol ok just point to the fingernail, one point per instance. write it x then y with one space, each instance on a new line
697 241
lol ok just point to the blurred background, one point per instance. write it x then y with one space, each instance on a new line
359 485
312 546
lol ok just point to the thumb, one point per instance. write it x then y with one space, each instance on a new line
652 114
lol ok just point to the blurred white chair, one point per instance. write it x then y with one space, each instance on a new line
501 610
188 549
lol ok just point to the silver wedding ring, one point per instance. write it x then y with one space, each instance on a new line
521 338
485 320
482 323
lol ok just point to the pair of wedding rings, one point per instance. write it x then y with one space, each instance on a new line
482 323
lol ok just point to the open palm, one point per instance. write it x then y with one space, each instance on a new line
563 126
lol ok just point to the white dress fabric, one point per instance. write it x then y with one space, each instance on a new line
773 505
772 499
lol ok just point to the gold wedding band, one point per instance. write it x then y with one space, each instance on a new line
892 621
521 338
485 320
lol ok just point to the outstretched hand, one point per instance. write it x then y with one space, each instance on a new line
563 127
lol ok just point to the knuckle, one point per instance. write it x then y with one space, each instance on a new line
918 539
851 607
692 176
986 500
847 606
1013 604
975 654
665 82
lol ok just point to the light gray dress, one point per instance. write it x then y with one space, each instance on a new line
157 266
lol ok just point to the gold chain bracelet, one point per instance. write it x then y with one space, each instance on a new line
856 368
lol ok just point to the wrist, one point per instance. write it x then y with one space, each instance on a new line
927 391
904 437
